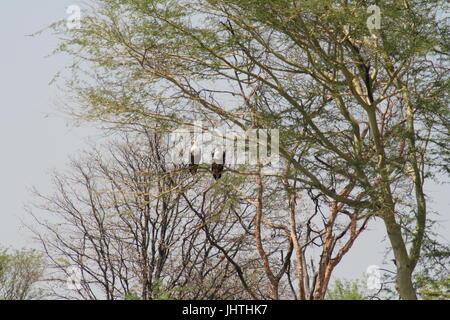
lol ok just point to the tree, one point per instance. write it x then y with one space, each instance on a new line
434 289
363 113
433 276
20 271
120 218
135 226
346 290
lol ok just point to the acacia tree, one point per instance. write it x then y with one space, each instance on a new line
363 113
432 275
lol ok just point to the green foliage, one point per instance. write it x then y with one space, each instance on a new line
431 289
433 277
20 270
346 290
161 293
131 295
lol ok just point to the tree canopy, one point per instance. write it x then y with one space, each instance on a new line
20 271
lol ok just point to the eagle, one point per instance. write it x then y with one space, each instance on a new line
195 156
218 162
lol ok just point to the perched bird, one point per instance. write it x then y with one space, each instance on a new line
195 156
218 163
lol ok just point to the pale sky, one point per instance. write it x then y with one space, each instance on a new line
35 139
34 136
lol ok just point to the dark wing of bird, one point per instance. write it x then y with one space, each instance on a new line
193 166
217 168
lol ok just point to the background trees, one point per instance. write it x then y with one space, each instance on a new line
433 281
20 272
363 113
346 290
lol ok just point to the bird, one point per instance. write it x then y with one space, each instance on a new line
218 162
195 156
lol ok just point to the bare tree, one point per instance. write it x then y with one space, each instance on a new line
122 218
135 225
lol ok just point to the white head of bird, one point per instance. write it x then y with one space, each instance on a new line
195 151
218 155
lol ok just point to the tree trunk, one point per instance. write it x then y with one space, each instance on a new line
404 269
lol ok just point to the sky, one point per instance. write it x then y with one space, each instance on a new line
35 137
